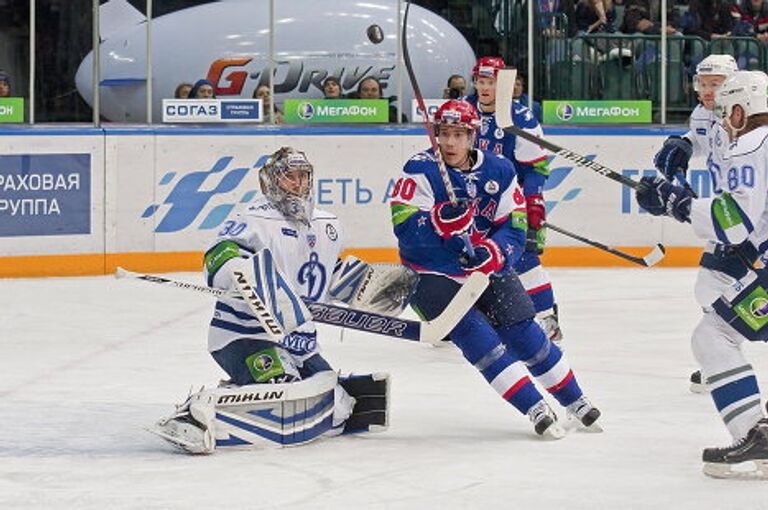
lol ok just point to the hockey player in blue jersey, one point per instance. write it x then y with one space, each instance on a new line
499 331
531 163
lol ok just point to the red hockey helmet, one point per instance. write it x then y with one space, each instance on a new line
488 67
457 113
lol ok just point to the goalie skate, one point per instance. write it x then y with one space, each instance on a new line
747 459
183 431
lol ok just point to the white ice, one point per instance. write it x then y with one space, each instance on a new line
86 363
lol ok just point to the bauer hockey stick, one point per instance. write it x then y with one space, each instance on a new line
429 126
651 259
431 332
504 85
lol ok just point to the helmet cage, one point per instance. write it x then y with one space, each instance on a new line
293 206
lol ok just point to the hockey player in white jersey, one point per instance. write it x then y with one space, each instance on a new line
700 140
281 390
734 225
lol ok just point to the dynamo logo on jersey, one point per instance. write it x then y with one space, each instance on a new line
193 191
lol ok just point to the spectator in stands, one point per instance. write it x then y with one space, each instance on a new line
455 88
262 92
332 88
182 91
643 16
708 19
202 89
519 95
370 88
5 84
593 16
751 19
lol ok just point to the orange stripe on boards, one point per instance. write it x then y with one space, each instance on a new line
99 264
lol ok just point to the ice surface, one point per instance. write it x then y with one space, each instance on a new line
86 363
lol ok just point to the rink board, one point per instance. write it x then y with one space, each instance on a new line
158 196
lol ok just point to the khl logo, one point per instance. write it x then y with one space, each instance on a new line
194 190
564 111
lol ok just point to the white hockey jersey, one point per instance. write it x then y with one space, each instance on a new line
702 126
739 211
306 255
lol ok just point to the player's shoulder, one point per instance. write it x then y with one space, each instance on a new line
420 163
751 144
262 208
701 115
323 215
495 165
523 117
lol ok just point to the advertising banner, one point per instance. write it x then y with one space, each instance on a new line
432 106
212 110
597 112
336 110
45 194
11 109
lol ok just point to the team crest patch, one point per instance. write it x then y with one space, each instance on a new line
311 240
330 231
484 127
491 187
499 133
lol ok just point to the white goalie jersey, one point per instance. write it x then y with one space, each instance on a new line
305 254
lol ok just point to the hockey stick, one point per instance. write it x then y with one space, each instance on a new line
429 126
418 331
504 120
651 259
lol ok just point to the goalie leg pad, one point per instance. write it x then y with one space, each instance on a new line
371 395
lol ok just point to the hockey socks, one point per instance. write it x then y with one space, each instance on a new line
536 281
481 346
737 398
544 360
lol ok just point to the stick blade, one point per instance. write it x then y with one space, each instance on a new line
655 256
121 273
505 85
435 330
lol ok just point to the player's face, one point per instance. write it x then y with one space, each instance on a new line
708 85
455 144
5 90
486 90
294 182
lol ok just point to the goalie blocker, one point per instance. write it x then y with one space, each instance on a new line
276 415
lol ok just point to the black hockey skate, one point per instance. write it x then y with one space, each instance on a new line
371 410
697 385
745 459
545 421
586 414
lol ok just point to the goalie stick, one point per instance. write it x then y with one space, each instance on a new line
431 332
504 85
651 259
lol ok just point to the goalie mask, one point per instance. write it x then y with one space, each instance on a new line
286 180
